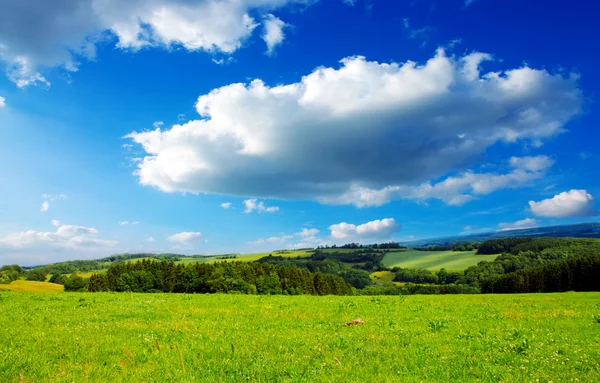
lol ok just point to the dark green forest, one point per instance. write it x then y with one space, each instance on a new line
220 277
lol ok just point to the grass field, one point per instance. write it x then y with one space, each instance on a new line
32 286
240 257
104 337
435 260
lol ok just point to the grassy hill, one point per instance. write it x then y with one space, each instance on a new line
105 337
435 260
580 230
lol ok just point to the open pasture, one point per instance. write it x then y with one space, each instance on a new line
111 337
435 260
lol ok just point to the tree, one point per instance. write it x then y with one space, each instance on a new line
75 283
37 275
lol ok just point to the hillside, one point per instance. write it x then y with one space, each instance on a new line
580 230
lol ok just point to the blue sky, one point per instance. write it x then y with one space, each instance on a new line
322 122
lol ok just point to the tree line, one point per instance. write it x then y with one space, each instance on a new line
573 274
220 277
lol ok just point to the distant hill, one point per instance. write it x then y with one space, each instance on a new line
580 230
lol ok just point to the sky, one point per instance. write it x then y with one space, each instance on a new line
221 126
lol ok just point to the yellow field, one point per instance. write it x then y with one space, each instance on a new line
385 278
32 286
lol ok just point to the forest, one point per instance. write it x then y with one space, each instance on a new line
221 277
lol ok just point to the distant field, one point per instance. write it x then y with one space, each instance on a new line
108 337
435 260
240 257
32 286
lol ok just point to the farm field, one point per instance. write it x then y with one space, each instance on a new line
240 257
32 286
435 260
107 337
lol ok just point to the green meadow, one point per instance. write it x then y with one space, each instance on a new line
435 260
124 337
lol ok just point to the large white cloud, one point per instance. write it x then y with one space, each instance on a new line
50 33
364 125
376 229
185 238
574 203
526 223
37 247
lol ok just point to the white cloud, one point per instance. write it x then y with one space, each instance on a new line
455 190
50 198
305 233
42 37
124 223
365 126
150 239
36 247
252 205
526 223
271 240
273 32
574 203
467 228
585 155
226 205
376 229
185 238
2 102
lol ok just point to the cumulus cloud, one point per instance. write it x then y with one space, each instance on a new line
455 190
2 102
253 205
574 203
35 34
49 199
35 247
150 239
376 229
273 32
526 223
185 238
226 205
308 232
363 126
